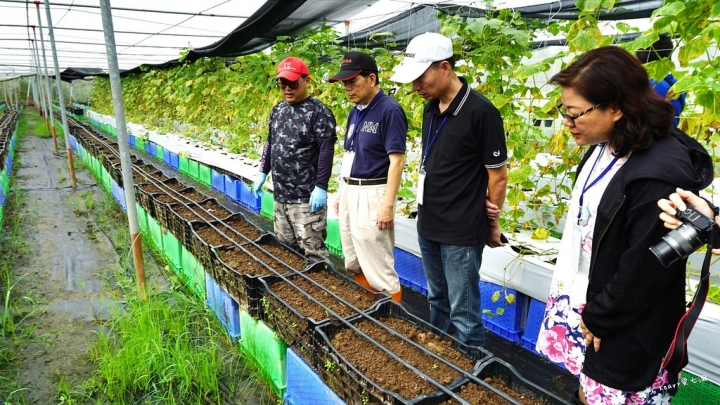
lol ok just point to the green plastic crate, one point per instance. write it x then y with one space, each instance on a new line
333 237
263 345
159 150
172 249
142 218
193 169
204 175
156 233
106 179
183 166
193 273
140 144
268 206
695 390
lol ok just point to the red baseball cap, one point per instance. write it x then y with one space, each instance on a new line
292 69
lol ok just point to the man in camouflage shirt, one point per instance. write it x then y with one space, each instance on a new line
299 150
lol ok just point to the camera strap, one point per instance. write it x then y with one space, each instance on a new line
676 356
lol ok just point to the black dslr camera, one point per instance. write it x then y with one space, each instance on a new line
689 237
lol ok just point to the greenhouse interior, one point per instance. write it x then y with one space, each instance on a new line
145 258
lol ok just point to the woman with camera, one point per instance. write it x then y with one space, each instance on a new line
613 307
680 200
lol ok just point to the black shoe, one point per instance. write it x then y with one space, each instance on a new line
576 398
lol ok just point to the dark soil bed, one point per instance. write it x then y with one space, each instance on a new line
211 236
192 195
307 308
197 214
390 374
242 262
175 185
215 209
242 226
151 189
159 175
283 255
476 394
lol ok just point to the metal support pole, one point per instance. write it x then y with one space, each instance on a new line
27 98
123 145
40 86
61 99
47 79
6 95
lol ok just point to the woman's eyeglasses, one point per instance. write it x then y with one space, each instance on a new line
282 83
572 118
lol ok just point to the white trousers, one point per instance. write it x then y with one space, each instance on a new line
367 249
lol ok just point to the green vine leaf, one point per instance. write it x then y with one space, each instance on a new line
670 9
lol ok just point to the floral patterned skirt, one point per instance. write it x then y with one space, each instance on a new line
560 338
656 394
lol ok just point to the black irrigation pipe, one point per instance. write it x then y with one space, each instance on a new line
393 332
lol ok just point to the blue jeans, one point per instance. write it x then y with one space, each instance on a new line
453 277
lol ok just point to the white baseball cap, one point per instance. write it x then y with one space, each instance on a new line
421 52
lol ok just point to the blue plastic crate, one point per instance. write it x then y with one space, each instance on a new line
73 143
536 314
304 386
218 181
224 307
410 270
247 199
2 197
174 160
131 140
511 323
166 157
150 148
232 189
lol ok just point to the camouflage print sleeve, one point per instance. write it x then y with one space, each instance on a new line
266 158
326 136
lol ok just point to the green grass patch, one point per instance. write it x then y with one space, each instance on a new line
167 350
32 123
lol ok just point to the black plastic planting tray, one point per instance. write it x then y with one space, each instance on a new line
295 329
355 387
500 370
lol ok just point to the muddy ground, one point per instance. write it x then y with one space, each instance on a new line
66 278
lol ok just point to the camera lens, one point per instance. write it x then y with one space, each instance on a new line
677 244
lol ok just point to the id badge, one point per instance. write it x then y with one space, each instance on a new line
347 163
576 248
420 187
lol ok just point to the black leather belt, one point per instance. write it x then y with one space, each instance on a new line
364 182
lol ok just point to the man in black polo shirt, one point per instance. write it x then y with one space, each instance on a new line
463 163
370 176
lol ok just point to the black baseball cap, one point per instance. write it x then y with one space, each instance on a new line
353 63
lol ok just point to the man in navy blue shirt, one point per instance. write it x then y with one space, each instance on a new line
662 49
463 164
370 176
299 150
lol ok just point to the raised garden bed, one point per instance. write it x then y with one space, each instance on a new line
204 237
293 315
280 256
360 372
505 378
238 273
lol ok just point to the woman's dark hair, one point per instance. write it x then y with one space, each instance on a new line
612 77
